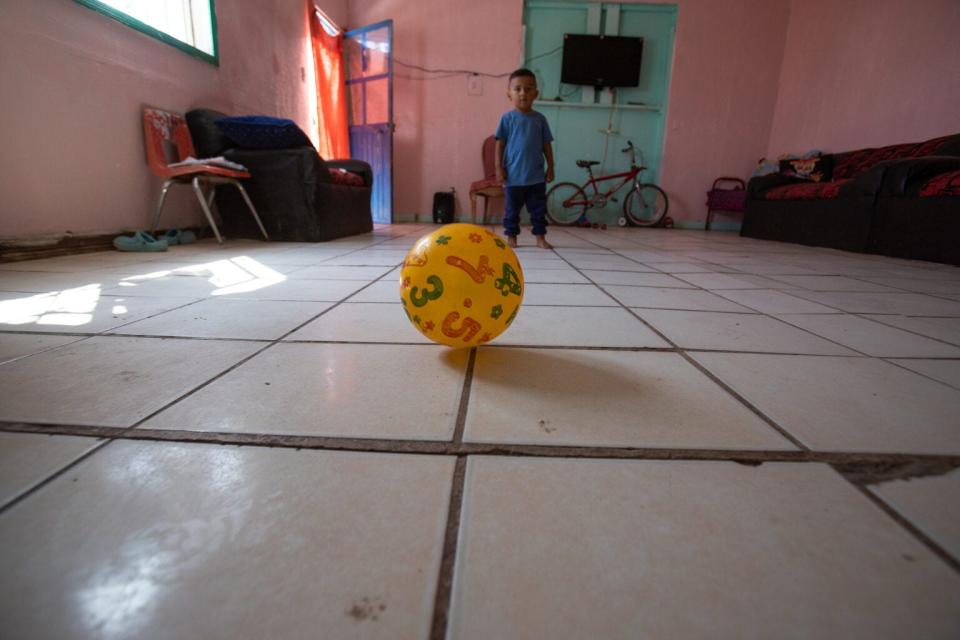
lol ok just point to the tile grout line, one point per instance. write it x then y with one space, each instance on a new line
461 451
839 311
448 558
32 489
232 367
932 545
519 345
690 360
909 527
464 398
79 338
697 287
448 447
243 361
746 403
781 284
863 316
775 317
86 336
800 297
159 313
892 361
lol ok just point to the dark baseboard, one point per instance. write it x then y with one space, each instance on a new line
12 251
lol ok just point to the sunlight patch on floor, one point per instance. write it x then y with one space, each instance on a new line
239 274
70 307
242 274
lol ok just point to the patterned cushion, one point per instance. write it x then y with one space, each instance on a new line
945 184
849 164
806 191
342 176
815 169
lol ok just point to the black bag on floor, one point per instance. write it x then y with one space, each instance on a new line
443 207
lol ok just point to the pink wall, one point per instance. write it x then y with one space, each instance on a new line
750 78
722 94
73 85
439 127
723 88
865 73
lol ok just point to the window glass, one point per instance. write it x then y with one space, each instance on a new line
189 25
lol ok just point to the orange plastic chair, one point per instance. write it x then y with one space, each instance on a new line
168 141
489 187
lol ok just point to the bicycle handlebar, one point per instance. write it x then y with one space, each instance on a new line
629 146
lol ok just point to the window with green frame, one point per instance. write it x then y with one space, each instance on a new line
189 25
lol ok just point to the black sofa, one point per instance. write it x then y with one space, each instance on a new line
897 200
300 196
917 214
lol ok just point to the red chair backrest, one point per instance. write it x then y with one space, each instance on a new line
489 156
167 139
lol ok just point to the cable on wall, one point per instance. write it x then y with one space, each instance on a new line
471 72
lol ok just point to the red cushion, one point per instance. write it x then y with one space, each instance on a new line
849 164
806 191
342 176
945 184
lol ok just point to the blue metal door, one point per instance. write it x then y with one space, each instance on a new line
369 63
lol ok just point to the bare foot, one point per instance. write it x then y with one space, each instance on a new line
542 243
512 241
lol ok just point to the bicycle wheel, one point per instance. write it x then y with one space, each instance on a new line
566 202
646 205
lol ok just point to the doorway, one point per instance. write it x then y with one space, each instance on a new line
368 56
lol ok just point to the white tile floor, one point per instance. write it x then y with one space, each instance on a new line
683 435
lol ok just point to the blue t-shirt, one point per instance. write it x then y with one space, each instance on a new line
524 135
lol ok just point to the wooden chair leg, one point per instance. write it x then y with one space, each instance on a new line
473 207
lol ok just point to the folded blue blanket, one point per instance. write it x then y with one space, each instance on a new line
263 132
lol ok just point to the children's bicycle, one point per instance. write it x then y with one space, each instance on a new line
645 205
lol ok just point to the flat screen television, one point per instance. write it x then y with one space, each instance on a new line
601 61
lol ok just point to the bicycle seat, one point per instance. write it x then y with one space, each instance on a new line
587 163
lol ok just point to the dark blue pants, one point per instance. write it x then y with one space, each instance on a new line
534 196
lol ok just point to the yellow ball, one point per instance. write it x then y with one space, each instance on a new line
461 285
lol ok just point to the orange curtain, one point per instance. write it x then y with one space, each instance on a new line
331 89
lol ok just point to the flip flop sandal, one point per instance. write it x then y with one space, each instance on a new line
176 236
139 241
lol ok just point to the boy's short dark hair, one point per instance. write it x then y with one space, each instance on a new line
522 73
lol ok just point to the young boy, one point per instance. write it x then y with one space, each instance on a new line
523 141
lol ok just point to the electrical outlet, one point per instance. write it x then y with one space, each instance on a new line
474 85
